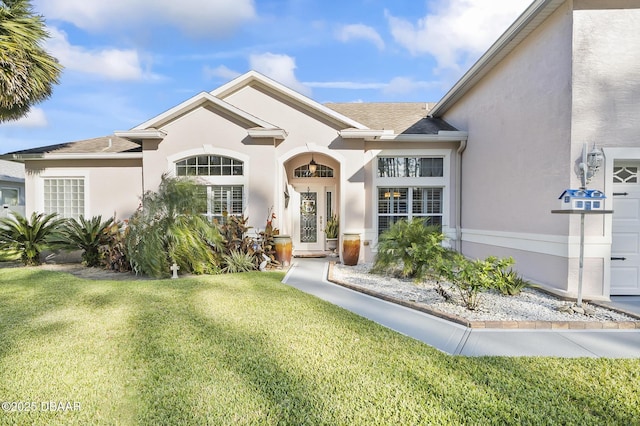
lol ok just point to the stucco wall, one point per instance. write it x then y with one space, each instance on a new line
518 118
311 132
606 87
111 186
208 131
517 160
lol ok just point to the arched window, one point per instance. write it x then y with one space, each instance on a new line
210 165
321 171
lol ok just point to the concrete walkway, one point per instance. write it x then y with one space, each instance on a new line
309 275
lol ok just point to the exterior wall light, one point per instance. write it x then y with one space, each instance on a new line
591 163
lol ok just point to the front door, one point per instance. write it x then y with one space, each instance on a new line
309 219
625 246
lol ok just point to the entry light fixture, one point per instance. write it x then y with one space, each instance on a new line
313 166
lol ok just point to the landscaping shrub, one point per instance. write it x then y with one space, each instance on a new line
169 228
28 237
87 235
509 283
238 261
235 233
413 247
114 252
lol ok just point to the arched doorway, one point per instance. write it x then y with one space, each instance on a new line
314 182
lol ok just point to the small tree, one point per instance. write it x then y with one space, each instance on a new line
170 228
28 237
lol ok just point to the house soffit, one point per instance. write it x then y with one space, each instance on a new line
277 90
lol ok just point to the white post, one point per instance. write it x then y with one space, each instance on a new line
581 266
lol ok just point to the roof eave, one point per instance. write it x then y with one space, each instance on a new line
521 28
441 136
74 156
141 134
260 133
364 133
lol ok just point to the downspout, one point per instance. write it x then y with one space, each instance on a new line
458 189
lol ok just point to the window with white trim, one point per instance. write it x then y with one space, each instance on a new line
322 171
210 165
64 196
410 167
221 199
9 196
399 203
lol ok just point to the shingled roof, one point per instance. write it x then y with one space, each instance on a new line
402 118
104 144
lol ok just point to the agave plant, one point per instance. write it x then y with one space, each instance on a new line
87 235
28 237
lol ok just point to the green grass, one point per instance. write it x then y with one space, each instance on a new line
245 349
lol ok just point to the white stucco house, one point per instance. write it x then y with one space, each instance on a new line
564 74
11 188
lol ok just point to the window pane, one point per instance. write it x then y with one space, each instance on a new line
410 167
408 203
64 197
9 196
209 165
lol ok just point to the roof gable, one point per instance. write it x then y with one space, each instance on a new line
200 100
253 78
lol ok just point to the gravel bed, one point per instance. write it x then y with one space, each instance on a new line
529 305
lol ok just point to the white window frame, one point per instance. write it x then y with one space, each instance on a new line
443 182
63 173
209 181
9 188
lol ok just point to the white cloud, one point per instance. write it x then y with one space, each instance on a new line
197 17
34 118
112 64
220 71
457 31
280 68
360 32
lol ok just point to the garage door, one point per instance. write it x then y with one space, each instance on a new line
625 247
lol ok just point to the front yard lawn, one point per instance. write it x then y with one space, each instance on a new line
246 349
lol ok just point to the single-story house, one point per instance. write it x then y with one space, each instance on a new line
486 162
11 188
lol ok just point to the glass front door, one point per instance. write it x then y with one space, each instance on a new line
309 217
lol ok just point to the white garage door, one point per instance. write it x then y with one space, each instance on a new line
625 247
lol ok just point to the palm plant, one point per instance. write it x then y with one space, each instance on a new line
27 71
28 236
170 228
87 235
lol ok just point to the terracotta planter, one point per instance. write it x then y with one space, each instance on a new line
350 249
284 246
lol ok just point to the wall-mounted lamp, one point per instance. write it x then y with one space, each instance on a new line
591 163
313 166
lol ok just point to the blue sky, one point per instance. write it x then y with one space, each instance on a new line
129 60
